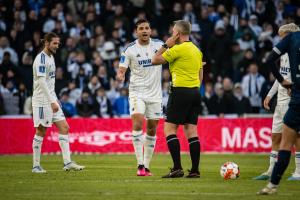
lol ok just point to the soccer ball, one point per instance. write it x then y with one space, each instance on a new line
230 170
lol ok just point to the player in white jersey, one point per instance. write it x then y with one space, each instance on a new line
283 100
145 96
46 109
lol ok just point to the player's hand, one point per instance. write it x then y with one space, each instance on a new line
55 107
266 103
172 40
289 92
120 76
286 84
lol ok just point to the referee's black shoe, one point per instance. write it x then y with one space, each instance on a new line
174 173
193 174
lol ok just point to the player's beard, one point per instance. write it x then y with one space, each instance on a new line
52 51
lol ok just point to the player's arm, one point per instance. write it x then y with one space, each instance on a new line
280 49
41 79
124 64
273 89
270 95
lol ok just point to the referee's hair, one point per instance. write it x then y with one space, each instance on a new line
140 21
48 37
184 27
288 28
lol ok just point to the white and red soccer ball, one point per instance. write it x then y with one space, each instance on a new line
230 170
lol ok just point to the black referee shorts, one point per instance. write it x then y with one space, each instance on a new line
184 105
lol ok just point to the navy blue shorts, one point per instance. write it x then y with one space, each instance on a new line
292 118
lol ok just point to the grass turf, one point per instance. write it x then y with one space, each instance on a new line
113 177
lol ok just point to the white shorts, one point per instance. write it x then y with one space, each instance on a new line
151 110
279 113
44 116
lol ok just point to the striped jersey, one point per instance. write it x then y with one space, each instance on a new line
43 65
282 97
145 78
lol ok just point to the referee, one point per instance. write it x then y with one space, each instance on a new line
185 63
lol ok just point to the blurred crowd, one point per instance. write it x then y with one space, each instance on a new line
235 37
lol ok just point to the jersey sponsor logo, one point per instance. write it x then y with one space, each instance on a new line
285 70
145 63
122 59
51 74
42 69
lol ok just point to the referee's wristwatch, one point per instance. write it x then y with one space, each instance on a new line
165 46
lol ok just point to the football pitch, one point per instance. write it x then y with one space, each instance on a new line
113 177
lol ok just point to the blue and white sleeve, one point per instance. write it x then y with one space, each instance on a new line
124 60
40 65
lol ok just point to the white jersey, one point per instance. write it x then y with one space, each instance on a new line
282 97
145 78
43 65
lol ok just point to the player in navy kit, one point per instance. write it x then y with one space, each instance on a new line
290 136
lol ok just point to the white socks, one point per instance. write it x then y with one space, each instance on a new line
137 140
36 149
297 162
149 146
273 160
65 147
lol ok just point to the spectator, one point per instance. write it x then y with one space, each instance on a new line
10 99
218 58
246 41
79 29
4 47
86 106
243 65
251 85
228 95
103 78
82 80
241 103
60 81
104 107
113 93
80 62
265 88
237 56
68 108
216 104
94 84
74 93
253 25
22 94
121 104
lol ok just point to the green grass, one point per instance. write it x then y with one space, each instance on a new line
113 177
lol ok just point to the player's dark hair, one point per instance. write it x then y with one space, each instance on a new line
140 21
48 38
